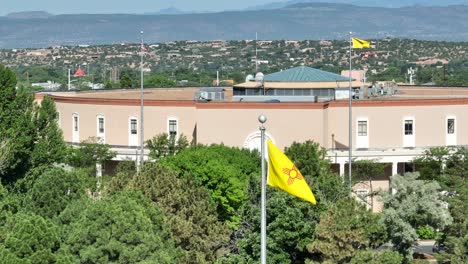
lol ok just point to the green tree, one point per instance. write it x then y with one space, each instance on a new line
121 228
4 152
222 170
163 145
455 186
196 228
346 228
54 190
16 127
125 81
291 222
416 203
125 172
49 145
309 158
372 257
29 238
431 165
89 153
290 227
159 80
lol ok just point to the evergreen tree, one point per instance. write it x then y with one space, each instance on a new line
54 190
29 238
196 228
49 147
346 228
121 228
125 81
17 129
291 222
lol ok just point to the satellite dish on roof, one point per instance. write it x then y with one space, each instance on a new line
249 78
259 77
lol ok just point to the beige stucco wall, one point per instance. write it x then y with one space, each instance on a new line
117 120
232 123
379 185
233 126
385 126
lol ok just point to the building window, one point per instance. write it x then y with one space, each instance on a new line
451 126
408 127
101 125
75 123
173 128
362 128
133 126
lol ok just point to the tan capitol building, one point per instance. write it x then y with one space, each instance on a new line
392 124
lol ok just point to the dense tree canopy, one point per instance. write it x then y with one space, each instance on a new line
201 204
49 146
416 203
190 211
222 170
122 228
17 131
449 167
354 226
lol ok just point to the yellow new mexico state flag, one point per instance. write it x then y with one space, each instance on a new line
283 174
360 43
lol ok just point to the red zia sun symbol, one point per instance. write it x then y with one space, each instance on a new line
293 174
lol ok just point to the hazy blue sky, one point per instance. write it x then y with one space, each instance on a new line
123 6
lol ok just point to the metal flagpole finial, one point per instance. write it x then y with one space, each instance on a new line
262 119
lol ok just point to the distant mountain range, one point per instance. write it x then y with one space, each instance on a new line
298 21
367 3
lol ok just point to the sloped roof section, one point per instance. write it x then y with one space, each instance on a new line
79 73
304 74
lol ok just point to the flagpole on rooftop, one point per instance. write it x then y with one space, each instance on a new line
262 119
142 143
350 124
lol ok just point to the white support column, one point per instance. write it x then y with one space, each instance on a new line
342 169
98 170
394 168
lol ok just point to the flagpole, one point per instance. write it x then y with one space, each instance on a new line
350 118
142 143
262 119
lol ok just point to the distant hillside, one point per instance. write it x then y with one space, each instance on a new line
167 11
372 3
301 21
29 15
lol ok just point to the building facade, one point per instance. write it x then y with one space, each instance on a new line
392 129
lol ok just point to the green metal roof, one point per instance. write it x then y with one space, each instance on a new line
304 74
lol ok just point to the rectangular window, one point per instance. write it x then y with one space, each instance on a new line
451 126
75 123
362 128
408 127
101 125
173 128
133 126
